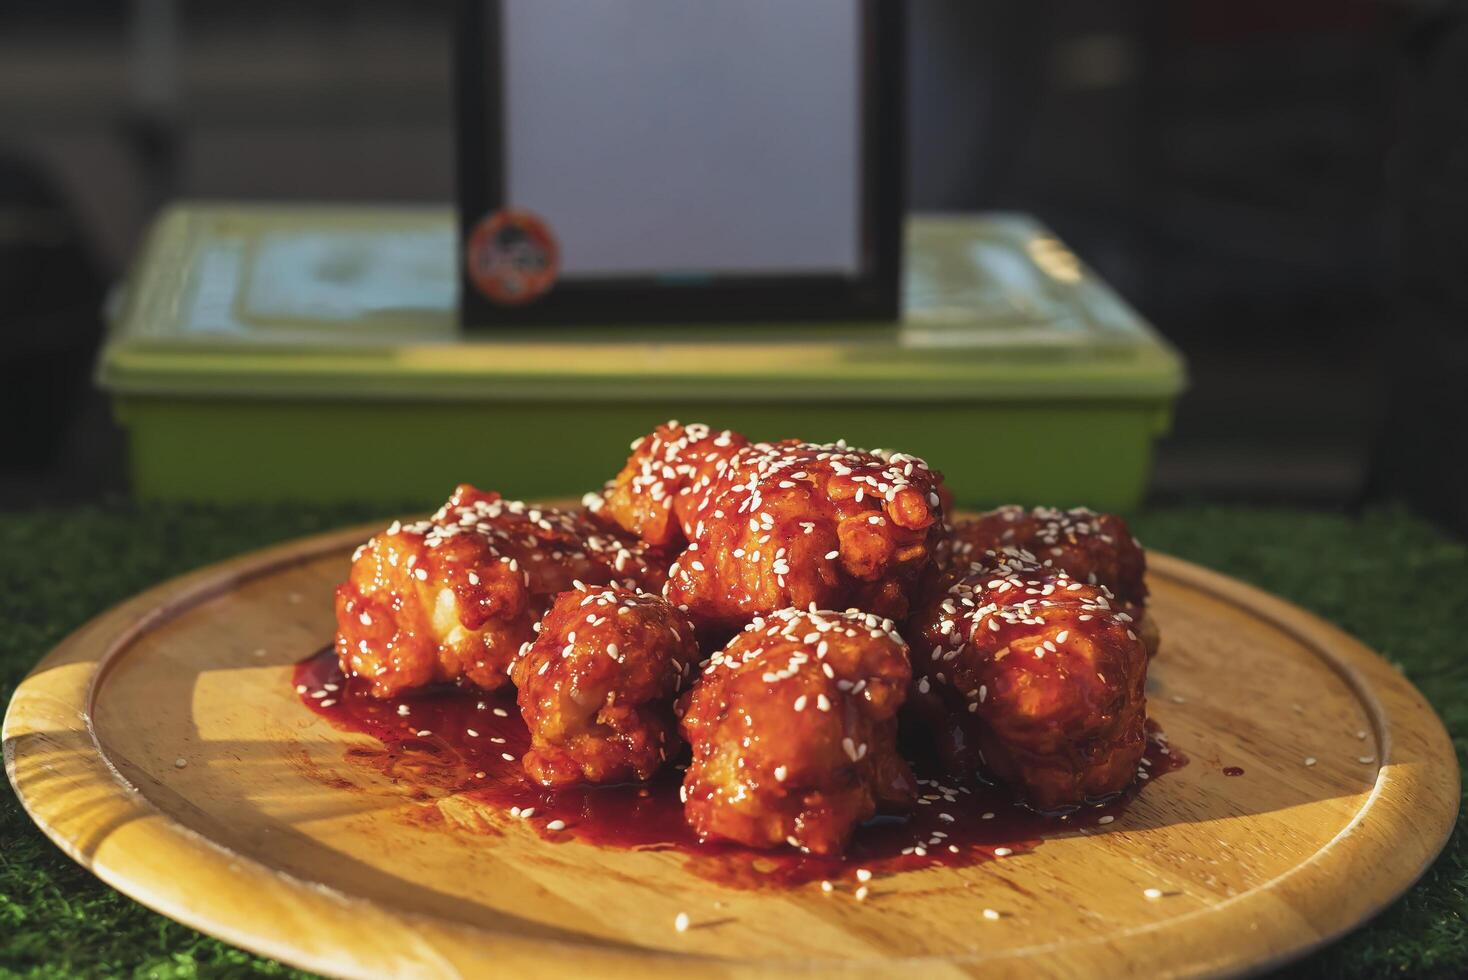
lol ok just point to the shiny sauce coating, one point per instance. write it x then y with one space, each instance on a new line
459 740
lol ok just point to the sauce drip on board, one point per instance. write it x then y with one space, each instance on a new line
459 740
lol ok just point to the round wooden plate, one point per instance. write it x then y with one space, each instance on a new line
163 747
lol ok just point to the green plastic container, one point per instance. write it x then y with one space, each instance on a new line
311 353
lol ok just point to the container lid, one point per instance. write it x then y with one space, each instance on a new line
361 302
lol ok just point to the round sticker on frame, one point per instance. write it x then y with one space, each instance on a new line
512 257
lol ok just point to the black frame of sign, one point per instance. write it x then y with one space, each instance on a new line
872 294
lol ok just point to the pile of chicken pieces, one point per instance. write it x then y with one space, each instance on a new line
775 607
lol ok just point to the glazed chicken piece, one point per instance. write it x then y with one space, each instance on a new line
1034 677
793 729
788 524
557 547
1097 549
457 595
596 687
665 479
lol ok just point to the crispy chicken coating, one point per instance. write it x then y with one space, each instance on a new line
596 687
665 479
456 596
1033 676
791 523
1097 549
793 729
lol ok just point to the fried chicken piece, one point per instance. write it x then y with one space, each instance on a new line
456 596
1097 549
793 729
557 547
790 523
596 687
665 479
1026 673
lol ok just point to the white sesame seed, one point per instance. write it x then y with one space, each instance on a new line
1309 760
826 886
680 922
863 874
1000 852
861 893
1106 819
507 757
991 915
180 762
556 825
1153 893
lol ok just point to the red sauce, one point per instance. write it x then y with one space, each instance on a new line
453 740
1232 771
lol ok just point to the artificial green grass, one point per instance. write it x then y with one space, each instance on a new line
1395 582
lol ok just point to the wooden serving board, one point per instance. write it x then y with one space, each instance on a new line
163 747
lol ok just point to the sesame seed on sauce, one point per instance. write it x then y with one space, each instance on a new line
680 922
991 915
1153 894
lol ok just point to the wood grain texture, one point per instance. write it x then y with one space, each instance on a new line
268 838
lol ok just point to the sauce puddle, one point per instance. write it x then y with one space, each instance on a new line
461 741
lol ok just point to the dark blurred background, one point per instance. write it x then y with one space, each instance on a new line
1281 188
